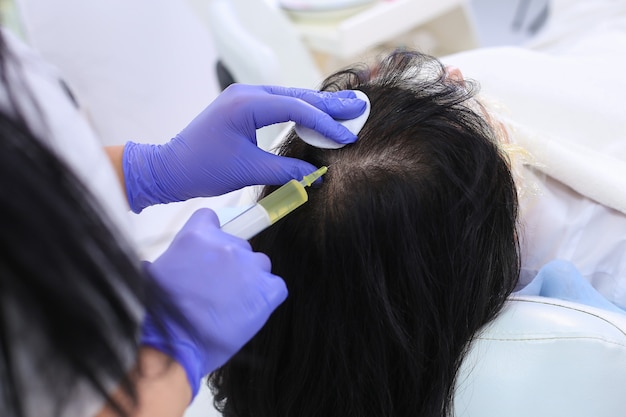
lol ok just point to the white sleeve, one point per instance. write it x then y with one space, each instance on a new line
55 119
142 72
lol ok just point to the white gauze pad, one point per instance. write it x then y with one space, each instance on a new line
355 125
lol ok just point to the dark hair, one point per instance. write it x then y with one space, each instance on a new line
71 292
404 252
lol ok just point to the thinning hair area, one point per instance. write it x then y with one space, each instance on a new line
402 254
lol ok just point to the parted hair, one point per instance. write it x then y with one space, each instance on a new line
403 253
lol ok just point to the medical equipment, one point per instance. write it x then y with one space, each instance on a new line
272 208
355 125
323 10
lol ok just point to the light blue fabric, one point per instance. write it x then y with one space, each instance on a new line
560 279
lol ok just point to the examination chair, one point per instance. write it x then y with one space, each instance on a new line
546 357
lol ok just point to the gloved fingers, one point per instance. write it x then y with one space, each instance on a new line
271 169
282 109
302 92
274 291
343 93
201 219
225 292
340 105
205 222
263 262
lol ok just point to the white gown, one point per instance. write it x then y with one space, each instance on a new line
565 100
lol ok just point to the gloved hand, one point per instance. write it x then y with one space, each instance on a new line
217 153
224 290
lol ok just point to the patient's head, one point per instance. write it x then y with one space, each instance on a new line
403 253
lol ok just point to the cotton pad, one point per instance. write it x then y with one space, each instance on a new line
355 125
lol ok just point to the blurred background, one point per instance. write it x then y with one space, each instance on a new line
337 32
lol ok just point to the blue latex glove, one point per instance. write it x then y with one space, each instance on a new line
224 289
217 153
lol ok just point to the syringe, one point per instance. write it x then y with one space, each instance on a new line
272 208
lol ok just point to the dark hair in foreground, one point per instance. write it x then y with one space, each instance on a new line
404 252
71 293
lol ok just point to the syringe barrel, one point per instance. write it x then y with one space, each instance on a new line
284 200
249 223
267 211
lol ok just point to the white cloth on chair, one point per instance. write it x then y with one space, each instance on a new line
566 108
